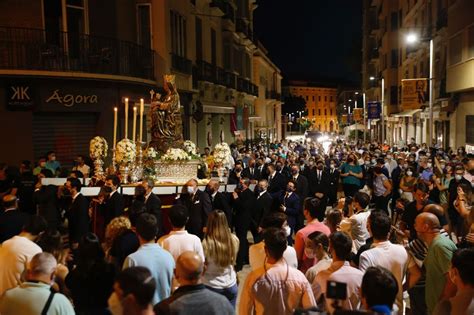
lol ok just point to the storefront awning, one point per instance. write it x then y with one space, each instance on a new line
407 113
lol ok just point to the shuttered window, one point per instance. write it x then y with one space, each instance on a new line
68 134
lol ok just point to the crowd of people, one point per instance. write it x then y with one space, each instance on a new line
348 226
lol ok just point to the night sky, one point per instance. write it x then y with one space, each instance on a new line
312 39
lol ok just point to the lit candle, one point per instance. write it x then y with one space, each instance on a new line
134 131
126 118
115 126
142 105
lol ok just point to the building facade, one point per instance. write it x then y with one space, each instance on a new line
268 103
387 54
64 66
64 70
320 104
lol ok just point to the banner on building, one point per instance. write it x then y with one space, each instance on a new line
374 109
358 113
414 93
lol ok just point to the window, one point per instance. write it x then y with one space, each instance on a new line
178 34
415 71
394 58
313 98
330 111
393 95
228 57
469 128
144 25
394 21
325 112
455 49
313 111
470 42
319 111
325 98
319 98
213 47
330 98
198 39
307 97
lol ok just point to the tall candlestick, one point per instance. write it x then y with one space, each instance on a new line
126 118
142 105
134 131
115 126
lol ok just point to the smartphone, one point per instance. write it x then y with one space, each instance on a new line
336 290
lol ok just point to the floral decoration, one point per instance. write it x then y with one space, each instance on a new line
98 148
126 151
174 155
151 154
222 153
189 147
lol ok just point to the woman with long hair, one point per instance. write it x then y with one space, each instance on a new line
351 174
91 281
220 249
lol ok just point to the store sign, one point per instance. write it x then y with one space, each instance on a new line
69 100
358 113
19 96
374 109
414 93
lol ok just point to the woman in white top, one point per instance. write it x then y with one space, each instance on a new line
316 246
220 249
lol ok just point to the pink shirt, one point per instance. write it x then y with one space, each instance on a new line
304 262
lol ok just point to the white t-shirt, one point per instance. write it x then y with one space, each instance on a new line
15 254
390 256
177 242
356 225
323 264
257 256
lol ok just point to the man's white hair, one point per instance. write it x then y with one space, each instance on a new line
42 263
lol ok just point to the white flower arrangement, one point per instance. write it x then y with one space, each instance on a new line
98 148
151 154
174 155
126 151
222 153
189 147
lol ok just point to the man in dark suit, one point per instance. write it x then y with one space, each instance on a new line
250 172
320 186
12 219
199 206
243 201
276 181
219 200
290 204
45 200
78 213
115 205
302 191
283 169
260 170
236 174
262 209
333 182
153 204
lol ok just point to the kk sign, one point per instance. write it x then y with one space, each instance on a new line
19 97
414 93
374 110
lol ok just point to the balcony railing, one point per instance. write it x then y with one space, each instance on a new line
36 49
181 64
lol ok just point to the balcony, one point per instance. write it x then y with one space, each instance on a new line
205 72
226 7
244 28
271 94
181 64
36 49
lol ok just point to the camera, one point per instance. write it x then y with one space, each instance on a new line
336 290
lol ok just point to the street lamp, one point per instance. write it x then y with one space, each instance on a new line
413 38
382 114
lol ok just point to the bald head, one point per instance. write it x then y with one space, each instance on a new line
189 268
428 219
435 209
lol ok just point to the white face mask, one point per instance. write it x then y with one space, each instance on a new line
333 166
309 253
115 305
409 173
458 177
287 230
190 190
429 165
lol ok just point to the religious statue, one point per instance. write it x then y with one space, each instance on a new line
165 112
